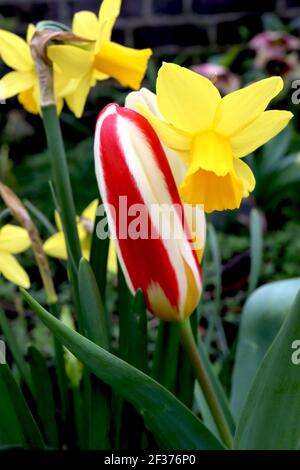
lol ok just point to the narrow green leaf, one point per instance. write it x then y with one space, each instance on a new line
172 424
137 356
14 349
166 355
256 249
217 264
98 257
138 344
262 318
275 149
94 322
22 423
271 415
40 217
44 396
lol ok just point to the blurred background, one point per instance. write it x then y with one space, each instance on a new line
233 43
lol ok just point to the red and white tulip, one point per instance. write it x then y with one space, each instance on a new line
131 164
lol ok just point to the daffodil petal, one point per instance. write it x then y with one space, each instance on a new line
76 100
90 211
172 137
211 152
112 263
186 99
30 32
196 221
14 51
241 107
28 101
71 60
11 269
244 173
86 24
264 128
108 13
125 64
13 239
216 193
15 82
55 246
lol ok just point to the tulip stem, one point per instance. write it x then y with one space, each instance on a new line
190 346
61 180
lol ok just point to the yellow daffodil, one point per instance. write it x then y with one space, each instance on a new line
212 134
23 80
13 240
106 59
55 246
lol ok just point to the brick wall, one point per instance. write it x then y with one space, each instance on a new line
166 25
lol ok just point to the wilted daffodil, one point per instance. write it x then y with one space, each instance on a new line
23 80
55 246
106 59
13 240
212 134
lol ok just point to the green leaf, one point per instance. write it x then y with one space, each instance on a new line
98 257
17 425
217 265
172 424
44 396
95 327
93 314
137 331
256 249
166 355
275 149
262 318
14 349
271 415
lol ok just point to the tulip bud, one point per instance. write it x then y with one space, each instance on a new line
145 214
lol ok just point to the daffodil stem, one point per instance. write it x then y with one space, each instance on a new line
190 346
61 180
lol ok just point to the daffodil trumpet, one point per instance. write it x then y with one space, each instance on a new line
130 163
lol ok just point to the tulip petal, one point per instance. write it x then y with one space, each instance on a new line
55 246
13 239
11 269
128 159
214 192
186 99
14 51
14 83
86 25
240 108
264 128
146 100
